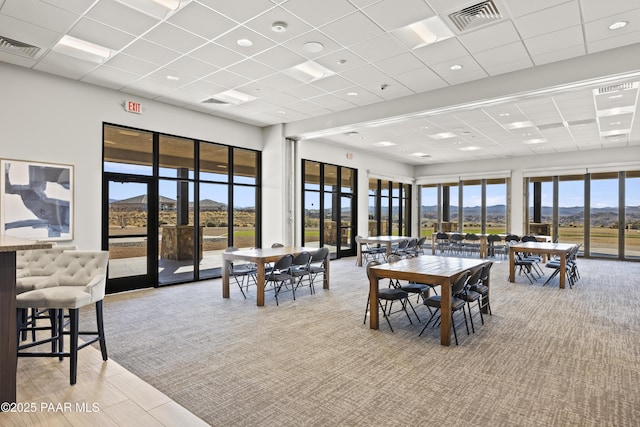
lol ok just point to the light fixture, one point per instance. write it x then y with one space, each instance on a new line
352 93
423 33
469 148
443 135
384 144
279 27
157 8
455 67
82 49
422 155
518 125
234 97
618 25
313 47
173 78
309 71
534 141
244 43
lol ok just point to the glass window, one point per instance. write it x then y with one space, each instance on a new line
330 178
176 157
311 175
632 214
128 151
604 214
472 206
571 209
428 209
496 202
244 216
245 166
347 178
214 162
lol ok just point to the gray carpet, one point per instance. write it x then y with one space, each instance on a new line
546 356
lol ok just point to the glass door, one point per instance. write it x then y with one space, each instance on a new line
346 226
130 231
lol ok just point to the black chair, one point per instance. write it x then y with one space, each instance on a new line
472 244
389 296
470 296
495 246
317 266
400 248
369 253
300 271
571 267
410 249
533 257
242 273
280 275
482 287
523 264
457 304
456 246
442 243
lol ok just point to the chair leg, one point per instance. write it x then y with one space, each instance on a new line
473 329
60 329
100 324
73 344
384 313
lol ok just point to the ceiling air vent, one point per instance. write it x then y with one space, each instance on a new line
615 88
475 16
215 101
20 48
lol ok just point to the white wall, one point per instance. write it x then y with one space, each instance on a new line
274 180
612 159
45 118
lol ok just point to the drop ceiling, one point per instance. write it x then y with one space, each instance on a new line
372 88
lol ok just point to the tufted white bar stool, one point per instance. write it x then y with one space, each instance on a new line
79 280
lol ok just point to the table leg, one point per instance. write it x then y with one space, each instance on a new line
359 255
225 278
260 285
433 244
8 333
325 281
512 267
563 269
373 302
445 312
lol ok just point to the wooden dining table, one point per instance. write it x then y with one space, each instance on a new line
436 270
8 332
260 257
387 241
484 244
541 248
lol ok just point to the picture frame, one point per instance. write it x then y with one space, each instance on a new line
36 200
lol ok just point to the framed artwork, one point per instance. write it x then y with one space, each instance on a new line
37 200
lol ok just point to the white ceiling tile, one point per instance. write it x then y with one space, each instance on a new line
201 21
363 97
319 13
297 44
489 37
548 20
331 102
508 67
239 11
389 16
112 78
503 54
121 17
378 48
342 29
525 7
263 23
399 64
230 41
131 64
226 79
257 89
599 30
202 89
305 91
421 80
100 34
597 9
365 75
280 81
440 52
556 40
40 14
162 73
281 98
558 55
340 61
332 83
75 6
303 106
279 57
470 71
151 52
28 33
192 66
64 65
217 55
174 38
251 69
364 3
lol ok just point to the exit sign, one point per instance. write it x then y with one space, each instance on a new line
133 107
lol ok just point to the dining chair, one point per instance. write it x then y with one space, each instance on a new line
242 273
280 275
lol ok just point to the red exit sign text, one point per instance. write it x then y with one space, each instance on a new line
133 107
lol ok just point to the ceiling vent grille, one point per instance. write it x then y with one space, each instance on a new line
21 48
615 88
215 101
475 16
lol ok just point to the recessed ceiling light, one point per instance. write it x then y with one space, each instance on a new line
616 96
469 148
82 49
173 78
279 26
423 33
157 8
443 135
519 125
456 67
234 97
384 144
534 141
282 112
313 47
423 155
352 93
309 71
503 114
614 123
245 43
618 25
424 127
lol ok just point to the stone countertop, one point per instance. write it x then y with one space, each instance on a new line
12 244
